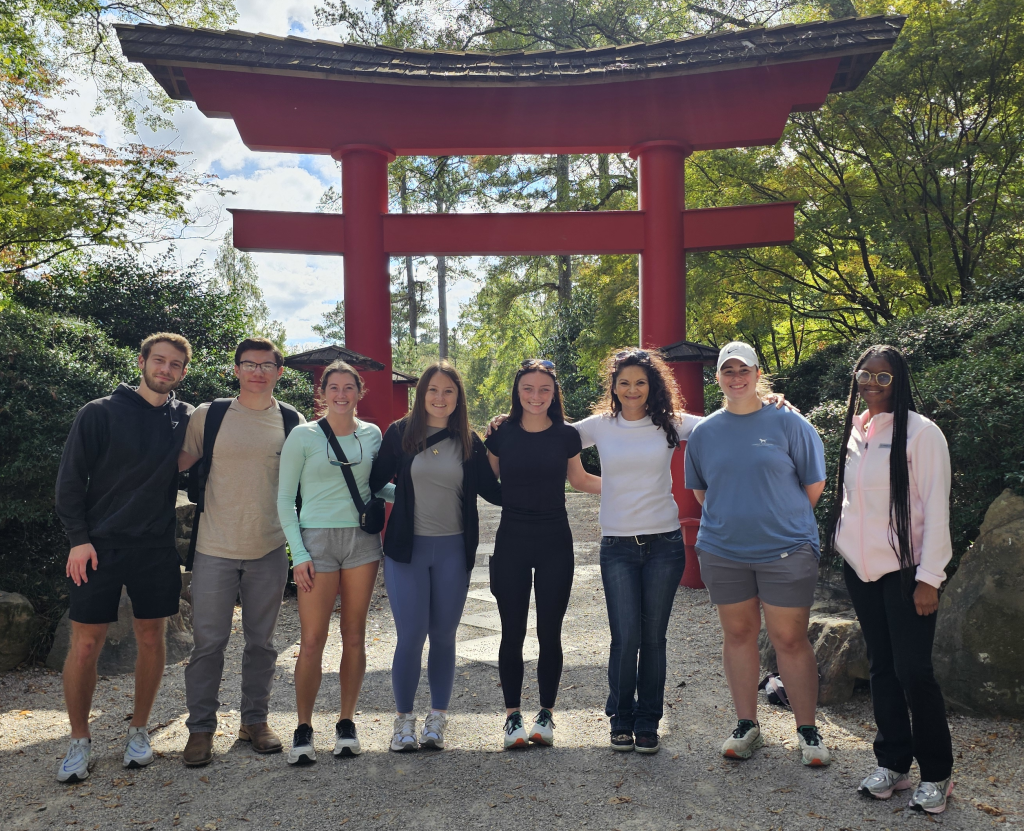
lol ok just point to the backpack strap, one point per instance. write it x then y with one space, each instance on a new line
201 469
290 417
350 480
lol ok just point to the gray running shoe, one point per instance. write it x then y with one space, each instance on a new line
75 765
931 796
745 739
404 738
137 750
883 783
432 734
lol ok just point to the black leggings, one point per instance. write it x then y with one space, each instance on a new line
538 555
899 644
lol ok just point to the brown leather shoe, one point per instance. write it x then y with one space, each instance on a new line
264 740
198 750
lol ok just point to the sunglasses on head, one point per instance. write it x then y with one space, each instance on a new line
532 362
640 354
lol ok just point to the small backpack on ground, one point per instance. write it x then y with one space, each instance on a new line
200 471
774 690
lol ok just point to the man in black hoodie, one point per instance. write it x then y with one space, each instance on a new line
116 491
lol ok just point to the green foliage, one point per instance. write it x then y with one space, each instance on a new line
130 299
235 274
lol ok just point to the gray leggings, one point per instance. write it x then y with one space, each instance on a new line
427 596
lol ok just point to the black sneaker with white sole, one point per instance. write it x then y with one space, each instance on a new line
346 742
647 741
302 752
622 741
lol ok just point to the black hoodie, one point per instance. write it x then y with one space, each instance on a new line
118 477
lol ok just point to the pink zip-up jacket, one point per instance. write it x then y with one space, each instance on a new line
864 536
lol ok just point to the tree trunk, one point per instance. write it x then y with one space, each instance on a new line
442 307
562 203
410 281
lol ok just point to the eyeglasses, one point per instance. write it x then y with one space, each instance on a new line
252 366
641 354
338 462
537 362
862 376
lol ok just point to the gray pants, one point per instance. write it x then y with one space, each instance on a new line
216 583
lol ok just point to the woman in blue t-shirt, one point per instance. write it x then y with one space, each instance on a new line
758 471
533 453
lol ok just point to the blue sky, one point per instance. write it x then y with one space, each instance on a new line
298 289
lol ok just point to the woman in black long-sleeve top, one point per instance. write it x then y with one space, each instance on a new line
439 465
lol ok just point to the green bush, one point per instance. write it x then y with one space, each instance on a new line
968 365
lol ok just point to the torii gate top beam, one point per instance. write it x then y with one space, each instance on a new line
295 95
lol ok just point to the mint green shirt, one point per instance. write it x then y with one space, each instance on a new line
326 501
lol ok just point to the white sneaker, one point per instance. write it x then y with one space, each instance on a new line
404 739
432 735
542 732
812 747
346 742
75 765
137 750
302 752
745 739
883 783
515 733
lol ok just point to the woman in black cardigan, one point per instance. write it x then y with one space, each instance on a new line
439 465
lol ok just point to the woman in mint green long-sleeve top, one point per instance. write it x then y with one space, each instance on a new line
331 554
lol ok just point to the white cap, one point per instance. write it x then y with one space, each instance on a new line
739 350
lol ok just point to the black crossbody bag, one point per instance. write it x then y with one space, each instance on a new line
371 514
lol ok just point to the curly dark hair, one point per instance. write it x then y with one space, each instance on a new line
663 400
899 476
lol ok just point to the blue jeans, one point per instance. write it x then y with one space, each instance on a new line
640 581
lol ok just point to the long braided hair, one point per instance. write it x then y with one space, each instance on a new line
899 473
663 397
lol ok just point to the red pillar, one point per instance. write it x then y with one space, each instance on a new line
364 199
663 301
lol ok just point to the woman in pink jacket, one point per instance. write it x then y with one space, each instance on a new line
891 525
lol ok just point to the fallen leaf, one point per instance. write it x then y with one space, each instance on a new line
991 810
204 779
620 800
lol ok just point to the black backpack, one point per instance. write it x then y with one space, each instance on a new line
200 471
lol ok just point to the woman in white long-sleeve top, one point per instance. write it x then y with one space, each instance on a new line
891 525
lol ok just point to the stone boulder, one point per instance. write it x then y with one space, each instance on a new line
979 639
841 653
185 513
120 649
17 629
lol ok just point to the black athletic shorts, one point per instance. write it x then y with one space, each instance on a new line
151 575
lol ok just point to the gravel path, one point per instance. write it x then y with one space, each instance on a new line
579 783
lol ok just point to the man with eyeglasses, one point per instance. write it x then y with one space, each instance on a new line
240 550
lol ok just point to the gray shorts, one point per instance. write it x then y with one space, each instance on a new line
788 581
333 549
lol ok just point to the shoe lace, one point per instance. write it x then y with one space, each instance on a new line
743 726
544 718
346 729
514 722
139 740
75 755
811 735
303 735
406 727
927 790
433 725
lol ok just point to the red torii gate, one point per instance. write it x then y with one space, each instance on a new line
660 102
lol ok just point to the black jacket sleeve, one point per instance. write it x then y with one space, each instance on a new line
87 437
487 485
385 466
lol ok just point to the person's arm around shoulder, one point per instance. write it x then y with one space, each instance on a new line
685 423
493 445
88 433
575 473
192 450
374 444
487 484
293 459
931 474
588 428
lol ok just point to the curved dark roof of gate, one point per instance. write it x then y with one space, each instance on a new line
165 50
